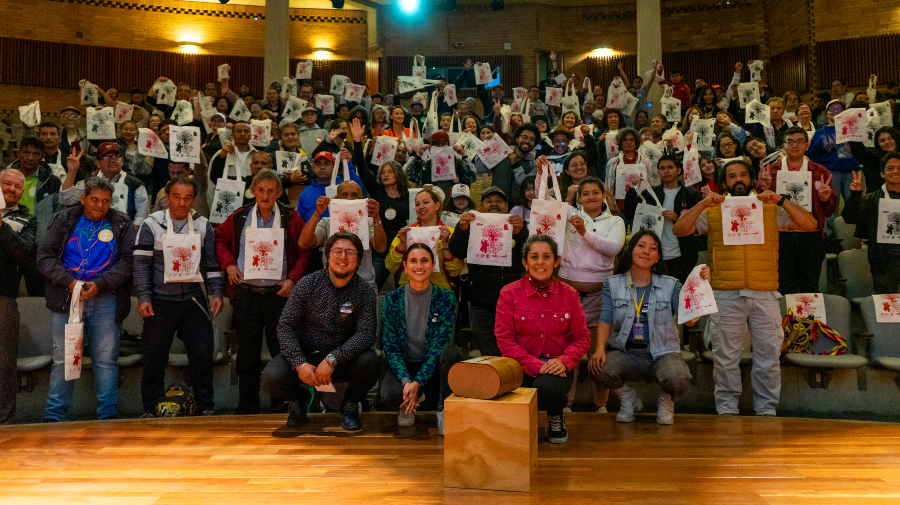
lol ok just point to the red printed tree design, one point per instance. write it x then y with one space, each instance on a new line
804 305
851 126
694 295
545 224
441 167
741 213
182 262
451 92
348 222
689 167
484 74
384 152
631 181
264 251
891 303
492 234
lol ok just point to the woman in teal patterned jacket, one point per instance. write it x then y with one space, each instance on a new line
417 323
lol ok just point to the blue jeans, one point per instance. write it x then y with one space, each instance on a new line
101 337
381 271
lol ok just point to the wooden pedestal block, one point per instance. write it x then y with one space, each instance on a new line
491 444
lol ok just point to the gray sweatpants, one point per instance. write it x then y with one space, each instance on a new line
763 317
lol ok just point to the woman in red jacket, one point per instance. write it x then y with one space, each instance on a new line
541 325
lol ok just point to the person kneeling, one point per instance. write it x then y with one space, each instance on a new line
541 325
416 328
638 308
326 333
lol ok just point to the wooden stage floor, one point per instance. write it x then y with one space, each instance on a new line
227 460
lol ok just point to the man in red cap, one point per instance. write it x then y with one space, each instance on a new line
323 167
130 195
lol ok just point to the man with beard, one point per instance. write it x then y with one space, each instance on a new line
510 172
745 285
485 282
326 333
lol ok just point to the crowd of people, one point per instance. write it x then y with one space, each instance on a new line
94 222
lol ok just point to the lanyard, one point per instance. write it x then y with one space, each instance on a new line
637 306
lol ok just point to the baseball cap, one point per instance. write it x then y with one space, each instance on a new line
71 108
308 109
324 154
416 103
108 147
841 102
493 189
222 116
460 190
438 136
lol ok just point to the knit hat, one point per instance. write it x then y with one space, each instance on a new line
440 136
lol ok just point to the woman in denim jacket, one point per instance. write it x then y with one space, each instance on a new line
646 347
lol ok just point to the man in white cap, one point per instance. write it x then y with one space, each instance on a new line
311 134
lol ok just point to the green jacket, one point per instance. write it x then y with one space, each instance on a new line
441 320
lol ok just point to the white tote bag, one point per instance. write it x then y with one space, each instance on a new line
849 126
354 92
351 216
149 144
384 151
240 112
431 125
337 84
570 101
120 194
183 113
888 221
222 71
287 161
289 87
586 85
554 95
181 253
331 190
450 94
627 177
419 69
184 143
548 214
742 221
631 102
691 168
887 308
703 134
670 106
304 69
90 96
75 334
443 167
124 111
884 112
483 73
326 103
756 112
260 132
229 193
615 94
490 240
165 92
469 143
30 114
873 123
807 305
416 139
428 235
747 92
797 185
263 249
493 151
696 297
755 67
646 216
101 123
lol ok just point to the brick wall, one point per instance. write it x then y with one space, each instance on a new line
855 18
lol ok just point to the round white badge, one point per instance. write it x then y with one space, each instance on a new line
390 214
318 140
248 193
105 235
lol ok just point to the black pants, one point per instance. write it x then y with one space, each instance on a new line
280 379
9 350
887 280
436 389
679 268
196 331
256 316
35 282
551 391
800 257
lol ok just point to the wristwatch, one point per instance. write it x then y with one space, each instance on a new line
781 202
330 359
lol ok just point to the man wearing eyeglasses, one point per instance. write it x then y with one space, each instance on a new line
837 158
801 253
262 268
326 333
130 195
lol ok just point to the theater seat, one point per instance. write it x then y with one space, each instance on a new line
35 335
855 275
884 349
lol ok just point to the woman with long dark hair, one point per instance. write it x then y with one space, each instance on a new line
887 139
637 338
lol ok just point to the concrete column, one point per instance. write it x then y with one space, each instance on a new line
649 43
277 50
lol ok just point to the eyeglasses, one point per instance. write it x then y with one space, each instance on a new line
71 116
726 144
110 157
347 253
795 142
835 109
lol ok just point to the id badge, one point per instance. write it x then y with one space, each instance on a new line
638 329
346 309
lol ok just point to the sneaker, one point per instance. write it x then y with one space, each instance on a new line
404 419
296 415
350 417
148 415
665 409
767 414
558 433
567 410
631 403
602 410
440 417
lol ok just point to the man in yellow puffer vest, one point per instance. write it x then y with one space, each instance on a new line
744 279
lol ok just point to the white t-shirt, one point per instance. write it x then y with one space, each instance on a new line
670 247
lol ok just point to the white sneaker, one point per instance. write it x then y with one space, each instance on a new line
665 409
602 410
631 403
404 419
567 410
440 416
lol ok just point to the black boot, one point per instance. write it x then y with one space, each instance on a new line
248 397
350 416
297 415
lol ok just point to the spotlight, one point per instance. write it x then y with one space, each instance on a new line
409 7
497 5
337 4
450 5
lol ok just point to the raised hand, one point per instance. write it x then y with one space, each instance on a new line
468 64
357 130
824 188
856 185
